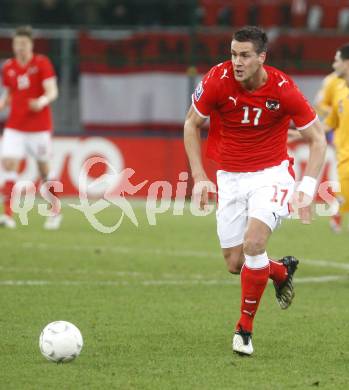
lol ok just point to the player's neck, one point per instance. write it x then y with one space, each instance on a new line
24 60
256 81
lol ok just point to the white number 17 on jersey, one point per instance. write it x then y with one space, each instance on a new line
246 118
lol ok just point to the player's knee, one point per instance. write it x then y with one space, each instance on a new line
254 245
233 262
44 170
9 164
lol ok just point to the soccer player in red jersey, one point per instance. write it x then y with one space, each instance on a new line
29 83
250 106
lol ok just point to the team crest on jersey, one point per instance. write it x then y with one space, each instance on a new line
272 105
198 91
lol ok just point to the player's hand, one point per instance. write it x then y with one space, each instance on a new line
202 187
2 104
34 105
303 203
39 103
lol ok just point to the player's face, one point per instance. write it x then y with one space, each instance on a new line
22 47
340 66
246 61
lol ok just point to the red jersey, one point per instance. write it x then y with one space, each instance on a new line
248 130
25 83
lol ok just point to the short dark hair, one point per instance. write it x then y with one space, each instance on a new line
344 51
252 34
24 31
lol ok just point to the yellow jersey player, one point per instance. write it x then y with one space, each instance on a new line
324 98
338 119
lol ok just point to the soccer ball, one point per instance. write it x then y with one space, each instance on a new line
60 341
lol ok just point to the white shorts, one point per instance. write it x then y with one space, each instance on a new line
263 195
17 144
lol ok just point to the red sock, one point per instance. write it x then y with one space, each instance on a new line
253 283
7 192
337 218
56 205
48 191
278 271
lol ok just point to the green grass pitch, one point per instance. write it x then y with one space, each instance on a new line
157 308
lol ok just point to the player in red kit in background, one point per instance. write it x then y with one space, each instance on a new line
250 106
30 86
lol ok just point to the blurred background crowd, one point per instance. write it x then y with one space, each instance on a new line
132 64
313 14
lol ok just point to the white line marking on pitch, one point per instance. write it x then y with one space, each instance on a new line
161 252
213 282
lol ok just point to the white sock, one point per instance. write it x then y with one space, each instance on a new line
257 261
9 176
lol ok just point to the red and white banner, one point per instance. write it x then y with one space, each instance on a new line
144 80
134 101
146 100
137 159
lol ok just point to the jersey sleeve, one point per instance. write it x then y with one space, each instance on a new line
46 68
327 91
5 77
324 98
297 106
205 95
332 118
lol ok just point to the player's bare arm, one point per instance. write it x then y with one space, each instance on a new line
327 128
50 94
315 136
192 143
293 135
4 99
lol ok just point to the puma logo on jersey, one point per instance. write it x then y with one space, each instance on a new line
234 100
225 74
282 82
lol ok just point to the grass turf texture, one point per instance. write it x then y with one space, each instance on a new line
157 308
